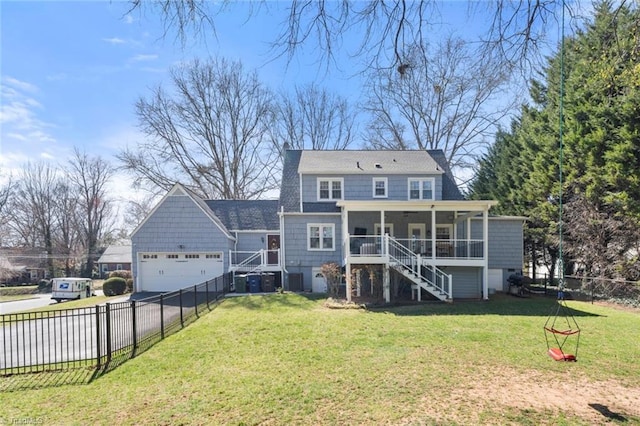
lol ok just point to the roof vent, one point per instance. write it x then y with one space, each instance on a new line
378 166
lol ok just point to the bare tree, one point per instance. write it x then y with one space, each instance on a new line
137 211
381 30
448 99
90 176
34 208
68 229
314 119
5 194
210 133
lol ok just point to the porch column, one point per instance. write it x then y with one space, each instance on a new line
386 283
433 234
468 229
485 246
347 272
346 252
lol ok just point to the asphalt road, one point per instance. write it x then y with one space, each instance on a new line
39 301
72 335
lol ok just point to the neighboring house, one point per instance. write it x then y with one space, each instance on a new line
116 257
397 213
23 265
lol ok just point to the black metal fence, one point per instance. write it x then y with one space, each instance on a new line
593 289
100 337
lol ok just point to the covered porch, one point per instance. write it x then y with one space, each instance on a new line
416 238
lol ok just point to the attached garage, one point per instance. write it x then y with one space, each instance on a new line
163 272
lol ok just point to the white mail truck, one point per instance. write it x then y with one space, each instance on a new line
71 288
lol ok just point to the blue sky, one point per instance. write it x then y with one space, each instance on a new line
72 71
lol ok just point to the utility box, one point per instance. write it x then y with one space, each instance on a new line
295 281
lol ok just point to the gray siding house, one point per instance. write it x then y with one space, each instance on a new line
394 217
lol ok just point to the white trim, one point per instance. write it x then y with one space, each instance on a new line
421 182
419 205
321 227
331 181
386 187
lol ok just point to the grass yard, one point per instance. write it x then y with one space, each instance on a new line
287 359
16 297
11 294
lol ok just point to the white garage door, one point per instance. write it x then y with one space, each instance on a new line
173 271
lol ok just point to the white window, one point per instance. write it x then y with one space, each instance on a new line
421 189
329 189
172 256
149 256
379 187
388 229
320 236
213 256
192 256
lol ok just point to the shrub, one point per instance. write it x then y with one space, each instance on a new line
114 286
333 274
120 274
45 286
129 285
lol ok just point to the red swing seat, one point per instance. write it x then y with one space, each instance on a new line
558 355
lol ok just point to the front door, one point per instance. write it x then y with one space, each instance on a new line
273 241
416 235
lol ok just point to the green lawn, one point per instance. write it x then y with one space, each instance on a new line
286 359
16 297
23 292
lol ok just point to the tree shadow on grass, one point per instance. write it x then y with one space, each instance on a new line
498 304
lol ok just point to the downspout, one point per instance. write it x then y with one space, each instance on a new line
485 254
283 263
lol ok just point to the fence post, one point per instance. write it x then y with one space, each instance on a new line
207 294
195 298
134 325
162 316
98 335
108 330
181 314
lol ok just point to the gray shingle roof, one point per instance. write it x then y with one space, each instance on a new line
320 207
384 162
246 214
116 254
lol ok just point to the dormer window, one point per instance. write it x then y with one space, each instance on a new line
421 189
329 189
379 187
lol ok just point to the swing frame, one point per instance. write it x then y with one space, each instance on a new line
562 333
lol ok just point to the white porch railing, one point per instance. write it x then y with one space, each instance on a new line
254 260
425 275
374 246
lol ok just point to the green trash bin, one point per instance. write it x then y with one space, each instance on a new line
240 283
